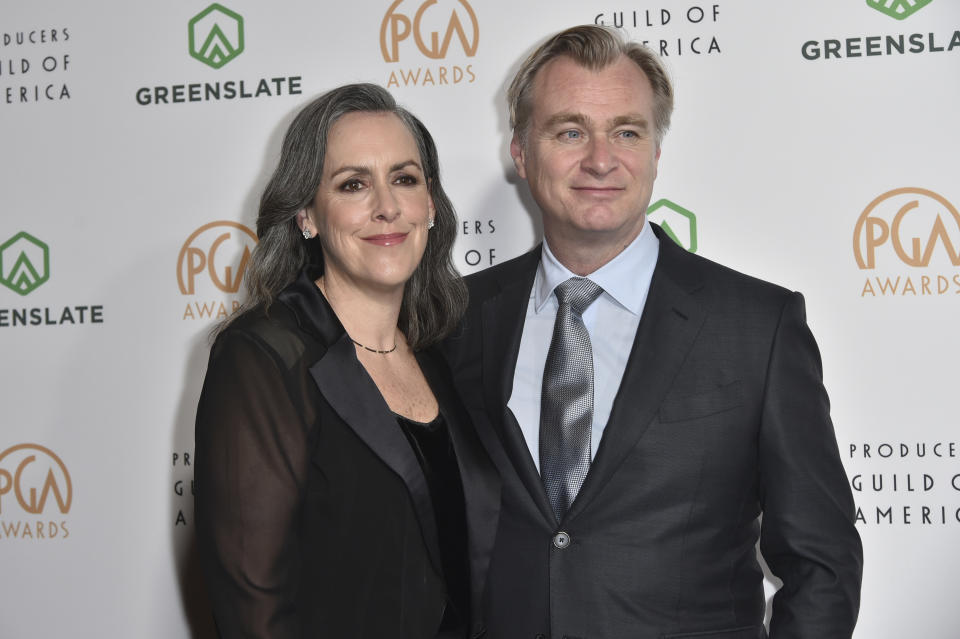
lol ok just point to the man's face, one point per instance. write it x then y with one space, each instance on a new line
590 154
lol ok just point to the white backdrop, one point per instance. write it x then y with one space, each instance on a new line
813 144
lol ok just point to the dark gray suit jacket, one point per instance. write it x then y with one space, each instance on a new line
721 417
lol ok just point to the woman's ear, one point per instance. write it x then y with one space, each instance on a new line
307 227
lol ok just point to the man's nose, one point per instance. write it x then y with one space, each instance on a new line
600 158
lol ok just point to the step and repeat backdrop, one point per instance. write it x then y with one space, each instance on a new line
814 144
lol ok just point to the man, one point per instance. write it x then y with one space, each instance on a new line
663 415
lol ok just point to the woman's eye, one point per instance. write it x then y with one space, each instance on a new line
351 186
405 180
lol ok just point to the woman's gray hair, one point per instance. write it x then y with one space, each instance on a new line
434 297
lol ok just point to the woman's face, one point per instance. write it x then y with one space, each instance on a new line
372 207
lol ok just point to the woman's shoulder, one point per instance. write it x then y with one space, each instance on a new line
274 329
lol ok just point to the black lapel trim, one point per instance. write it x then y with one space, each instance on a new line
354 396
481 483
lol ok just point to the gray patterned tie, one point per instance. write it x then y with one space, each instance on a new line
566 404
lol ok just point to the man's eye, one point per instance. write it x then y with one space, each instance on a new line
570 135
628 134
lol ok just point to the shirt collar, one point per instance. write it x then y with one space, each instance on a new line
617 277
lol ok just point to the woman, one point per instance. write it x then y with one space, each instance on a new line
330 443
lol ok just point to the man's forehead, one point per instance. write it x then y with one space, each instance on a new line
618 90
566 68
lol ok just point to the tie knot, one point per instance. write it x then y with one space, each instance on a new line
578 292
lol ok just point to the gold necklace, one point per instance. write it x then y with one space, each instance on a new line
374 350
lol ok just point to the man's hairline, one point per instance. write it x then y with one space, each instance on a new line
522 136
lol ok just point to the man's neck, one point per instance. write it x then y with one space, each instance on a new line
584 255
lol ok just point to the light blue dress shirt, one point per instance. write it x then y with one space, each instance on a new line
611 321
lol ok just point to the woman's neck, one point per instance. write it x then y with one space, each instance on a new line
369 316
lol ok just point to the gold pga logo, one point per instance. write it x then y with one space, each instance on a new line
911 227
34 482
212 262
435 25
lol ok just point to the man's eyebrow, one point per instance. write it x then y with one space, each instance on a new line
566 118
632 120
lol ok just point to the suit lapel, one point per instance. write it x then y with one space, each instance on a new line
503 317
480 481
351 392
354 396
672 318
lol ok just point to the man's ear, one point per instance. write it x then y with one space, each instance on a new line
518 155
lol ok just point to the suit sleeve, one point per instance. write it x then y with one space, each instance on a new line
808 536
250 468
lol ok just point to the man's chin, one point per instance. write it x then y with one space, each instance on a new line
608 223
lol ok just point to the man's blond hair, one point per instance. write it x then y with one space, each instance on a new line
595 48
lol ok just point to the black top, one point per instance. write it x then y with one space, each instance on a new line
314 516
432 446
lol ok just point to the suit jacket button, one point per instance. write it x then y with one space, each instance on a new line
540 635
561 540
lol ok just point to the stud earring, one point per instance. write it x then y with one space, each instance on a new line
430 224
306 234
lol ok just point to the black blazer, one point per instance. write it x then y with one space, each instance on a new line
721 416
314 518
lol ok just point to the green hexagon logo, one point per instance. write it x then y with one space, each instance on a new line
678 223
24 263
899 9
216 35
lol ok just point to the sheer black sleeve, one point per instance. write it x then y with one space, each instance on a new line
251 461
